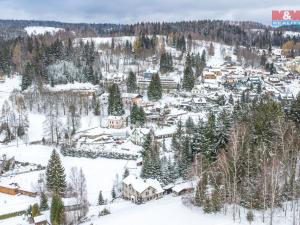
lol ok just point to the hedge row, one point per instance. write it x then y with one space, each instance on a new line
92 154
10 215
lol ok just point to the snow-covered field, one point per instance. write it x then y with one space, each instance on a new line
107 40
100 173
38 30
171 210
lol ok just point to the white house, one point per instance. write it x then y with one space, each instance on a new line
138 190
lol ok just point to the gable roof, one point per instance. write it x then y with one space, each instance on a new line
141 185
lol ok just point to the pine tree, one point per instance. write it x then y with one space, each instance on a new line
134 114
155 88
198 138
131 83
115 104
203 59
90 75
57 211
166 62
209 145
222 129
101 199
151 167
137 115
44 202
185 157
177 139
211 50
142 116
55 175
188 75
189 126
27 77
113 193
146 154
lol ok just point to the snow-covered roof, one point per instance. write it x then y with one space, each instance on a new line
180 187
141 185
114 117
39 219
70 201
150 70
130 95
165 131
168 186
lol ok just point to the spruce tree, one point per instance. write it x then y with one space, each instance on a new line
222 129
27 76
55 175
146 154
115 104
185 157
113 193
189 126
44 202
142 116
209 138
134 114
188 75
151 167
101 199
131 83
155 88
137 115
198 138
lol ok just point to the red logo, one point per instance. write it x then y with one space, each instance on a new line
286 15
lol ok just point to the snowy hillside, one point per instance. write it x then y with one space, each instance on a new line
35 30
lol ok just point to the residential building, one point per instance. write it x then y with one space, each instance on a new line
115 122
138 190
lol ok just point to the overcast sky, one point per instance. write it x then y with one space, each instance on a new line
131 11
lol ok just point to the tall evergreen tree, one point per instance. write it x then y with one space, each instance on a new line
155 88
100 199
115 104
137 115
188 75
55 175
44 202
131 83
27 76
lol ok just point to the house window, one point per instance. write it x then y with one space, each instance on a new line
147 193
